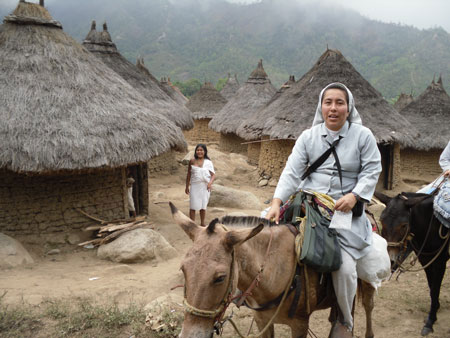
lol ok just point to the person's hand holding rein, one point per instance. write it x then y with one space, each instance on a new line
346 203
273 214
447 173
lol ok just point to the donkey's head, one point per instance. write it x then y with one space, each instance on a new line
210 272
395 221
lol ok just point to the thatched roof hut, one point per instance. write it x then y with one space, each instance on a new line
173 91
204 105
69 126
293 111
230 88
101 45
251 97
430 114
402 101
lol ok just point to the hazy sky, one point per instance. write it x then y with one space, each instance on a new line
418 13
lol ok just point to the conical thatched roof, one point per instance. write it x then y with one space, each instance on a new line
63 109
173 91
403 101
206 103
230 88
101 45
253 94
293 111
430 114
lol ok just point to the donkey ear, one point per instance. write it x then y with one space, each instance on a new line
234 237
189 227
410 202
382 197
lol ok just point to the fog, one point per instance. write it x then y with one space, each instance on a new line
422 14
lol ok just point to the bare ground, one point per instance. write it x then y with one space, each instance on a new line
401 306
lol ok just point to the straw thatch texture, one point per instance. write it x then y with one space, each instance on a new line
253 95
230 88
403 101
293 111
173 91
101 45
62 109
206 103
430 114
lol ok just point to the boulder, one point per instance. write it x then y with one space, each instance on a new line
226 197
12 253
263 183
138 245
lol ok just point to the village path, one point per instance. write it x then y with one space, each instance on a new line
401 306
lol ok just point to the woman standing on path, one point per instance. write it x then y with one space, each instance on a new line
199 179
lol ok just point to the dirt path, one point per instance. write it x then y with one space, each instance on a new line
401 306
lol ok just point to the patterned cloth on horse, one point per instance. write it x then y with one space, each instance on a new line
441 204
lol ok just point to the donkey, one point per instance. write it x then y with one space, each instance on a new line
226 257
409 225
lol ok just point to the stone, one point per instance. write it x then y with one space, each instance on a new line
263 183
240 171
54 252
273 183
138 245
187 158
12 253
73 239
225 197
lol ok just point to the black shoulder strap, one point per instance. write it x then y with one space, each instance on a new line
322 159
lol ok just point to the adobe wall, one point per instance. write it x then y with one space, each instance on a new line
253 151
232 143
201 133
423 164
164 162
273 156
46 204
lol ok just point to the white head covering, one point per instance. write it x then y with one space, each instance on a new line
353 117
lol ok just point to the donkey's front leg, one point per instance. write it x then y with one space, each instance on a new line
299 327
367 299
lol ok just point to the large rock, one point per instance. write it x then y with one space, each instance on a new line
231 198
137 246
12 253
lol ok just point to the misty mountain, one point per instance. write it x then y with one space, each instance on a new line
206 39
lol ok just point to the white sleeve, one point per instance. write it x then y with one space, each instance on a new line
444 160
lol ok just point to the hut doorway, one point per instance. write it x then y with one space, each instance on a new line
140 187
387 154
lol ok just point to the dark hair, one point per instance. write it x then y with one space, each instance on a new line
204 149
336 86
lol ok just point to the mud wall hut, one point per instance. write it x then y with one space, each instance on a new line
430 114
402 101
204 105
70 128
252 95
286 117
255 143
173 91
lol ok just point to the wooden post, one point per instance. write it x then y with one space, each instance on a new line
41 2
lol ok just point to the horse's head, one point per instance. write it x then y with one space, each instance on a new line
210 272
395 221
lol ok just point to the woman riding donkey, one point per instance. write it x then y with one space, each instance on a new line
349 176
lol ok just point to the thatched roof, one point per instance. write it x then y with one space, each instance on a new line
101 45
430 114
63 109
230 88
253 94
173 91
402 101
206 103
293 111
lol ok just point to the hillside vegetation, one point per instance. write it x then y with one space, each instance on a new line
206 39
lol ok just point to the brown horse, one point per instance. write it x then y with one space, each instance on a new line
227 256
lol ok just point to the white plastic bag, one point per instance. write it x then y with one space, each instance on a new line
375 267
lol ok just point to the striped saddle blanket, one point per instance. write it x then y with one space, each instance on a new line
441 203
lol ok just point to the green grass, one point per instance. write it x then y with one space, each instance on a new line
81 317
